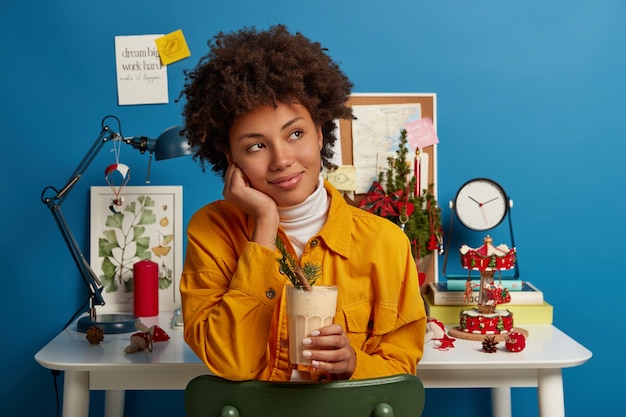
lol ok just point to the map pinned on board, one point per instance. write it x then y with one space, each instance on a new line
421 133
172 47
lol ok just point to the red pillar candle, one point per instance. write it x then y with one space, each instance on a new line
146 288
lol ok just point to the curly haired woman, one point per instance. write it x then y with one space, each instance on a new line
260 110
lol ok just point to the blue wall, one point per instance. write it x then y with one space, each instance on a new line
529 93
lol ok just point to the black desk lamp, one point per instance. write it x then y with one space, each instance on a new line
169 144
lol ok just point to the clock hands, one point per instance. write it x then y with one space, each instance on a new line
489 201
471 198
479 203
482 209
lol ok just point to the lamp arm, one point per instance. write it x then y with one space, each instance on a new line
106 135
54 202
89 276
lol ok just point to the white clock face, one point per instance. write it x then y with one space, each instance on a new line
481 204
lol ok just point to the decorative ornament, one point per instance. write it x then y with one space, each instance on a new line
117 172
379 202
486 319
515 342
445 343
488 259
144 339
139 342
159 335
490 345
436 332
112 174
94 335
434 329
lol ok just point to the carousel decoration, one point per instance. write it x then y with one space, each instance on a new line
488 259
485 322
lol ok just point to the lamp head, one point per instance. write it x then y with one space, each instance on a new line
169 144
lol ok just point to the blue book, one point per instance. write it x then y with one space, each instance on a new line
459 284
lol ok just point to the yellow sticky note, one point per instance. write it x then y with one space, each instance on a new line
343 178
172 47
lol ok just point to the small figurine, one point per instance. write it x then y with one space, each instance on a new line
436 332
434 328
469 288
143 340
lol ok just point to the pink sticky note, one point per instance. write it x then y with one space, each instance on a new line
421 133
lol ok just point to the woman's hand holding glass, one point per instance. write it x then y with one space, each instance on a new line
329 350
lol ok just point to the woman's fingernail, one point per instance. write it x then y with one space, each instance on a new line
306 353
315 333
314 363
306 341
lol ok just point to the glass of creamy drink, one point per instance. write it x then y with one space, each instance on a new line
308 311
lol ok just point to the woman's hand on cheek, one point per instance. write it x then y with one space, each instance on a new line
261 207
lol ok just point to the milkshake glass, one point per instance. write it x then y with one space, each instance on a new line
308 311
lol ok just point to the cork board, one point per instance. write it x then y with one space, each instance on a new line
427 102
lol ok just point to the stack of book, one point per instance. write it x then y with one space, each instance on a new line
446 299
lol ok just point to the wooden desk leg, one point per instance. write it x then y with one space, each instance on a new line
550 392
76 394
114 403
501 401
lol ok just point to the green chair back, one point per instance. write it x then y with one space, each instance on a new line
392 396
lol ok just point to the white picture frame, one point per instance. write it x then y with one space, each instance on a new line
141 222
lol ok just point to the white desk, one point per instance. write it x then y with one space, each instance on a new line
171 365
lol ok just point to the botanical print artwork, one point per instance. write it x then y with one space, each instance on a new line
145 224
126 241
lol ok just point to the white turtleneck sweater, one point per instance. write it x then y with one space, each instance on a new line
303 220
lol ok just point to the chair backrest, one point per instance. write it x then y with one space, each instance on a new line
392 396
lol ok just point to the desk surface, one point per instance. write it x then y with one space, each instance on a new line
172 364
546 347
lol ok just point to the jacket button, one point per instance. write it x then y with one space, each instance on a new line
270 293
315 242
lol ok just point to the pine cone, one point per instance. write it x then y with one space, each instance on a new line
94 335
490 345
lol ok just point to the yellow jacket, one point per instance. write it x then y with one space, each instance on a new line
232 293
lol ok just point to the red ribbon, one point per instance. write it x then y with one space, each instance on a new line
377 201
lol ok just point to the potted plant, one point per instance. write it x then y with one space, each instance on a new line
395 195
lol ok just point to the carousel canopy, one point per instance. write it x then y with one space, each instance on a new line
488 257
